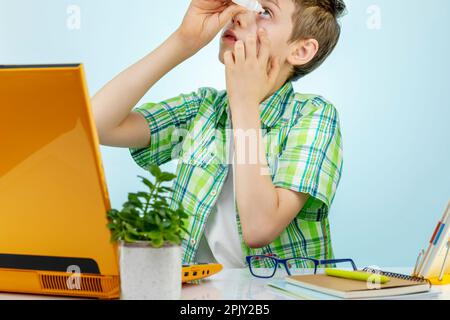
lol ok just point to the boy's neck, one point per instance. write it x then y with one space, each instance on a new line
278 85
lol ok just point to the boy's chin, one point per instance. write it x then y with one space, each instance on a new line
221 59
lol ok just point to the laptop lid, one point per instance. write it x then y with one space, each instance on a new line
53 195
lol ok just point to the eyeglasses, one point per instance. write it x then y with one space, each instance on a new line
265 266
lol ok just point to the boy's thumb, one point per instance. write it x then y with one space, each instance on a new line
229 13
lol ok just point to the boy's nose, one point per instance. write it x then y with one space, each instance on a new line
244 19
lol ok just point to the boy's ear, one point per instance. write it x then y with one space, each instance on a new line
303 51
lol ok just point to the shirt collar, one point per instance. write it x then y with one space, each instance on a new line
273 107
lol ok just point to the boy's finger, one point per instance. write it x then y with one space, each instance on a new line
226 15
264 50
228 58
250 47
239 52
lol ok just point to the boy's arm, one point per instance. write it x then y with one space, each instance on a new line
264 209
112 105
310 165
307 173
116 125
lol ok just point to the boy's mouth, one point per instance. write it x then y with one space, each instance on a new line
230 36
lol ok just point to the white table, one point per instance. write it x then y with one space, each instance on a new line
239 284
231 284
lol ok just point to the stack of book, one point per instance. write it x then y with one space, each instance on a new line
324 287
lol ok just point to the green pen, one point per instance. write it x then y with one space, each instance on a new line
357 275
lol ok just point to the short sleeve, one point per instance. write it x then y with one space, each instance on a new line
168 121
311 158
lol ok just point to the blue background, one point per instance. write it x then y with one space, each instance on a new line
390 86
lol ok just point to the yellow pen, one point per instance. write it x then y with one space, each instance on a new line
357 275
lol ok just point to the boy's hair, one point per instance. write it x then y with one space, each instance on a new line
316 19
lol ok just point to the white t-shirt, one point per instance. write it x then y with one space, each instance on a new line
221 242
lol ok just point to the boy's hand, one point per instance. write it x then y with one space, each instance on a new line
204 19
250 75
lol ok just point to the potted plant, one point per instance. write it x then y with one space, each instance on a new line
149 234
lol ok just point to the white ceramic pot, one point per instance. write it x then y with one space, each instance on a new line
148 273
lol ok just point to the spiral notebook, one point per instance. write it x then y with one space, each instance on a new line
398 285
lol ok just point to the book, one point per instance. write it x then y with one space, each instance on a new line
399 285
286 290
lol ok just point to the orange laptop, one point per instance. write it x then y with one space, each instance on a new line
53 196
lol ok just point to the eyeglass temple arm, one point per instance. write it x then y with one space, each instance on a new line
333 261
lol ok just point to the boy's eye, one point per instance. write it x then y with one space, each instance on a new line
267 13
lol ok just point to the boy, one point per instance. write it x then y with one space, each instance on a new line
277 204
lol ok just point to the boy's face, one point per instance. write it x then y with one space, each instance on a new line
276 20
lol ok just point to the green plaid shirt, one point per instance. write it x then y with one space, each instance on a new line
303 148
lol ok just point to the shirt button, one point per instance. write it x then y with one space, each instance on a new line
193 242
213 193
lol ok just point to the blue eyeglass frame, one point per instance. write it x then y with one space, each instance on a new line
284 262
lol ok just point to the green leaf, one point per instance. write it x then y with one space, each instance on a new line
112 226
181 208
129 238
144 195
148 227
162 213
161 204
140 225
182 214
147 182
161 197
166 189
165 177
133 197
130 229
158 243
113 214
129 215
153 234
134 200
116 236
185 230
166 224
129 206
155 171
173 238
150 219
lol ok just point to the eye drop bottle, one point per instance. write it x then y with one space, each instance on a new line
252 5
